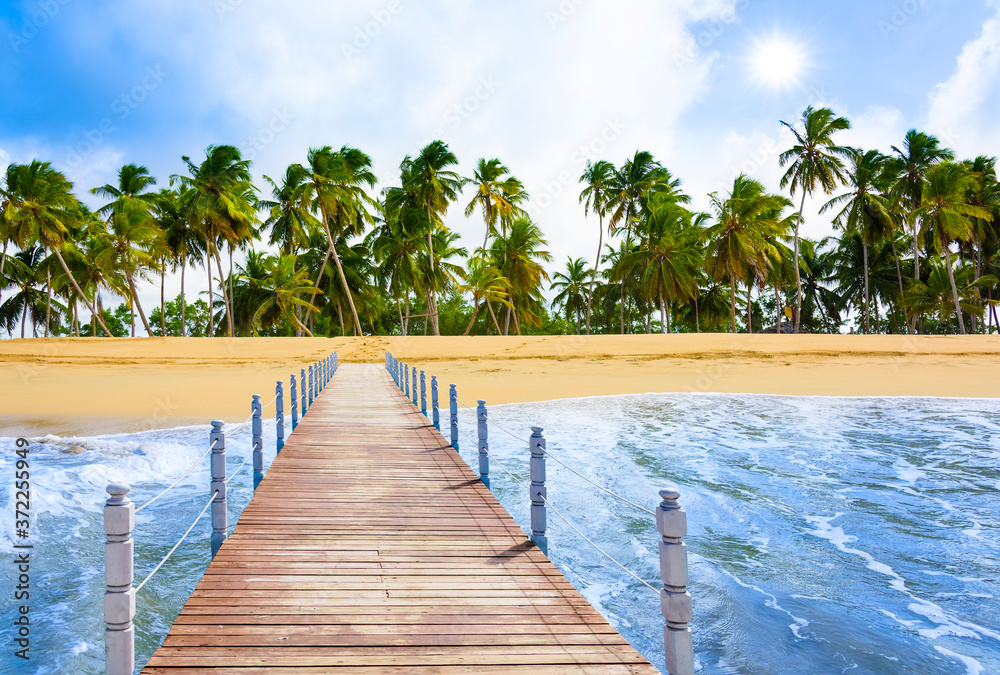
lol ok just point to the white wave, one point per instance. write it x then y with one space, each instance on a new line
972 666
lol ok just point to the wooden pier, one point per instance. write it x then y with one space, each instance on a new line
370 546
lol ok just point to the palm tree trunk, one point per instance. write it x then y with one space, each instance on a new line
301 326
48 299
225 295
517 321
72 279
506 323
211 300
231 295
697 319
593 273
3 260
496 323
183 303
406 323
340 272
732 303
798 276
319 277
749 307
432 305
954 288
777 310
864 253
899 276
135 299
663 315
475 311
340 315
24 319
163 304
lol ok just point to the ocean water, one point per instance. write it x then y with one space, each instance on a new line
826 535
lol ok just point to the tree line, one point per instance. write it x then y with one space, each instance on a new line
321 251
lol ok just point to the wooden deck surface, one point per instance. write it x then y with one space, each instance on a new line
371 547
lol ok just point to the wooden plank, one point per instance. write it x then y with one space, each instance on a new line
370 546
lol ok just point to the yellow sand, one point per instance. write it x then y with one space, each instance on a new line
88 385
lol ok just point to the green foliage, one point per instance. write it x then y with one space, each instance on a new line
195 318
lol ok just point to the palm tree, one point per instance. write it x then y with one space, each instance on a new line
281 292
181 242
435 187
937 294
41 208
289 213
572 296
518 256
945 209
865 208
29 302
396 247
336 188
218 195
741 242
815 162
131 227
484 281
498 195
919 152
598 177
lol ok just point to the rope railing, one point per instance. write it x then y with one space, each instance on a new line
671 520
177 482
179 542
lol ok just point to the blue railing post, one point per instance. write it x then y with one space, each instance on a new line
484 444
304 386
435 413
220 529
537 489
293 395
406 370
312 384
279 414
415 389
675 601
453 411
256 434
423 393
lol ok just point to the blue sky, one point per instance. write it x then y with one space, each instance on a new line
543 85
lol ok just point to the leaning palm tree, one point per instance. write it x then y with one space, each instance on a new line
42 209
572 284
741 242
945 209
815 163
498 195
289 213
484 281
519 257
865 209
218 195
397 248
595 197
336 185
282 292
435 186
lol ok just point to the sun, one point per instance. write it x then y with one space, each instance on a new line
778 62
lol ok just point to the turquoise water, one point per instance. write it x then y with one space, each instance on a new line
826 534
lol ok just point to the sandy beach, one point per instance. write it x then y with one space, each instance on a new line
90 386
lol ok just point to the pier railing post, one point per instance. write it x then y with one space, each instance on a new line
415 389
279 414
453 413
675 601
538 492
119 596
312 384
220 527
257 438
302 379
484 444
435 413
423 393
293 395
406 377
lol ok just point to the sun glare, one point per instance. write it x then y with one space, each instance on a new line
778 62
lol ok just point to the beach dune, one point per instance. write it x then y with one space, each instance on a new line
88 386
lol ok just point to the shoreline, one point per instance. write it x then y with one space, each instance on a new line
88 386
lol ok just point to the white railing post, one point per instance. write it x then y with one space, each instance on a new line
220 527
279 415
435 413
675 601
537 489
119 596
484 444
335 363
302 381
423 393
453 412
257 439
293 395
